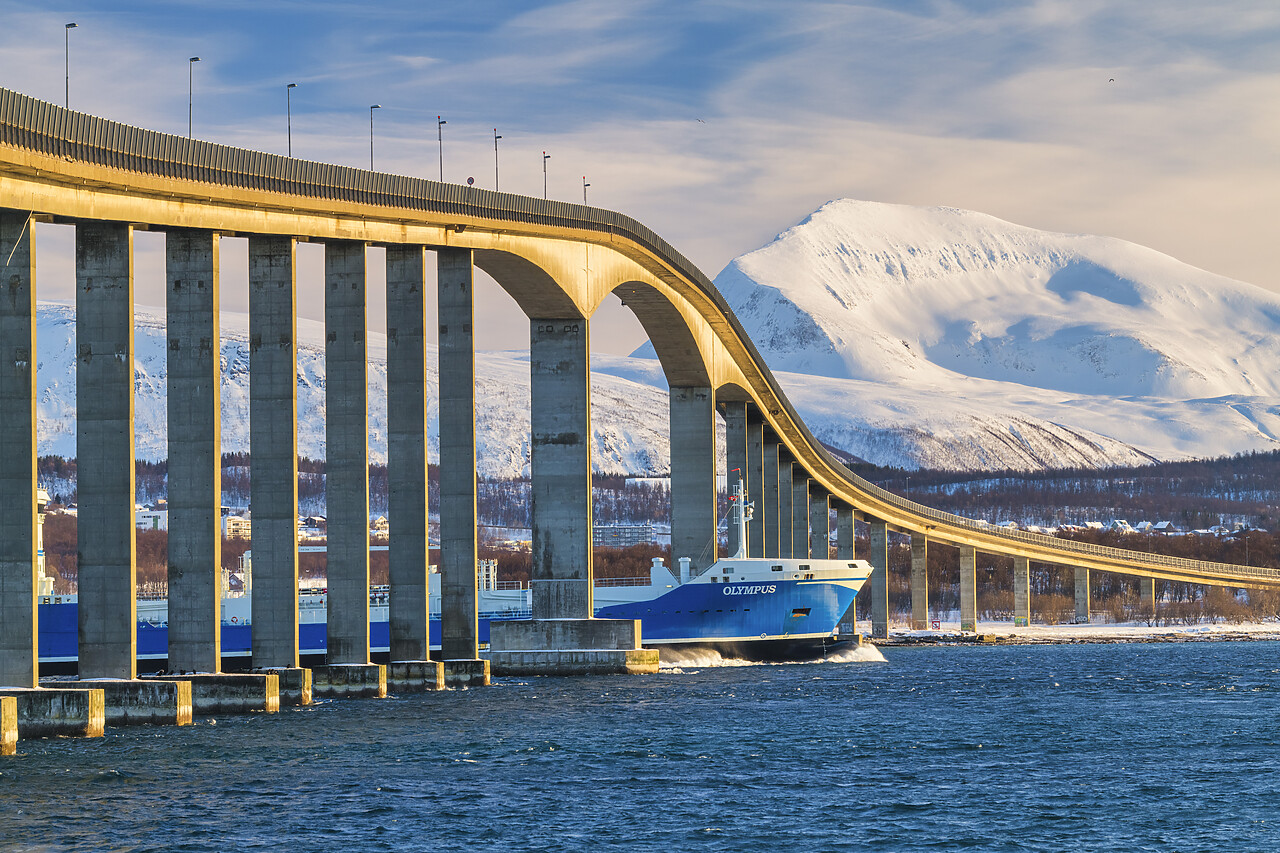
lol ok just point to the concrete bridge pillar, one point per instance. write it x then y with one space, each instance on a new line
18 564
799 513
1147 597
408 607
347 451
107 546
919 581
459 628
1021 592
1082 595
736 455
563 638
560 467
879 580
968 588
755 482
192 272
844 532
769 509
819 523
273 444
693 476
786 497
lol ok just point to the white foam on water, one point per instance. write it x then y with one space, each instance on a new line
679 661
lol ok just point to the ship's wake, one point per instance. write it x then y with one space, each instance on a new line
683 660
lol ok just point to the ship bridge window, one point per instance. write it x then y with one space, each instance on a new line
775 568
804 567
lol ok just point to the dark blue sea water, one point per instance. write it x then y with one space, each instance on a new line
1099 747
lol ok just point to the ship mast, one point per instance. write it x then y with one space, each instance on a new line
742 512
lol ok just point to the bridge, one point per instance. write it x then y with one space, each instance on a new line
557 260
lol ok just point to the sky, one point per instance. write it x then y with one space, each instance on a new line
718 123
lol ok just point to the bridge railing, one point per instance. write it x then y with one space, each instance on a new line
46 128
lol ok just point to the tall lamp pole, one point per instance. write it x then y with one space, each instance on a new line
191 63
440 123
67 59
496 137
584 189
371 109
288 106
545 158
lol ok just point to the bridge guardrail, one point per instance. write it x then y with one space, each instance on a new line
35 125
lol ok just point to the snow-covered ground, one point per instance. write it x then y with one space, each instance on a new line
1095 632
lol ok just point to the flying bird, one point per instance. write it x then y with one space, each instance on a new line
1112 80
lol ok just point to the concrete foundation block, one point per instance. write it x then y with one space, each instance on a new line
466 672
568 634
138 702
415 676
8 725
52 712
349 681
295 685
231 693
576 662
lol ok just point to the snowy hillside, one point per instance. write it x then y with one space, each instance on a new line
946 338
629 419
918 337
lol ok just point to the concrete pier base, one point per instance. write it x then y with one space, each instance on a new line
466 672
138 702
1021 592
349 681
51 712
919 582
968 589
231 693
8 725
415 676
1082 595
295 685
1147 598
878 582
569 647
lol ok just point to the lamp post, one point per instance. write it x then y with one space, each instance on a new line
584 189
288 107
371 109
191 63
496 137
545 158
66 33
440 123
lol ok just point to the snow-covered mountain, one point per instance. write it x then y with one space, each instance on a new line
905 336
629 419
947 338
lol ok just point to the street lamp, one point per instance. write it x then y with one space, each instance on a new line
545 158
66 38
440 123
584 189
288 106
371 109
496 137
191 63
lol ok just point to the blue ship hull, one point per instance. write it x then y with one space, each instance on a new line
762 620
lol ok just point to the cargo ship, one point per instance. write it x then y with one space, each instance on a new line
744 607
